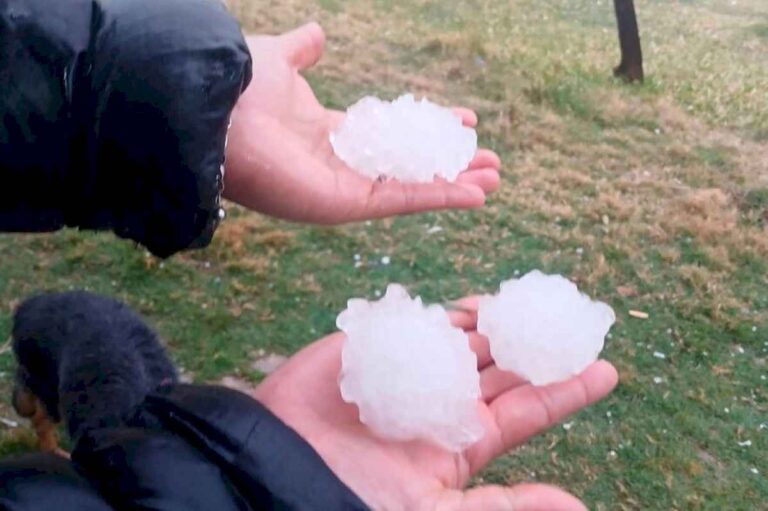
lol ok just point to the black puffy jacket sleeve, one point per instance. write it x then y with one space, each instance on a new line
35 482
199 447
113 115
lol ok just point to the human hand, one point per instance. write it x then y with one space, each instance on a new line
416 475
280 161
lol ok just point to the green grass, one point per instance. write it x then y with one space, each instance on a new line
661 186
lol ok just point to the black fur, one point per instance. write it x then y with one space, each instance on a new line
89 359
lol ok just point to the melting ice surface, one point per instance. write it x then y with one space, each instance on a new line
542 328
412 141
410 372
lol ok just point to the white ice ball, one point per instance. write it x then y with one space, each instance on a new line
542 328
412 141
410 372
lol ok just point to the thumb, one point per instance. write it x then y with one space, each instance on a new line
304 46
523 497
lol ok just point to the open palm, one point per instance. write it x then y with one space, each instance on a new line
304 393
280 160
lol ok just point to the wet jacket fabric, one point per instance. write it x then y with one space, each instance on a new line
189 448
113 116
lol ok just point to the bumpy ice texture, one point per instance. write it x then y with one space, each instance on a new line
412 141
542 328
410 372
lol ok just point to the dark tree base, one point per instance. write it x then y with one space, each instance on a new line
631 66
629 73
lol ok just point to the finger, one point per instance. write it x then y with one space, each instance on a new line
467 320
523 497
487 179
468 117
468 303
335 118
485 158
494 382
479 344
394 198
525 411
304 46
463 318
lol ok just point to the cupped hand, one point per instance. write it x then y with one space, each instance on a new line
415 475
280 161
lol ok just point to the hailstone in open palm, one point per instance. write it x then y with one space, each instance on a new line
410 372
542 328
412 141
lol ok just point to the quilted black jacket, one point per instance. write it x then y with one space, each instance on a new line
113 115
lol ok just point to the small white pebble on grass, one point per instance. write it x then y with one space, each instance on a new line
727 410
740 349
657 379
9 422
608 414
745 443
754 329
763 426
385 260
669 331
434 229
754 471
377 293
579 251
612 454
567 426
659 354
517 272
356 257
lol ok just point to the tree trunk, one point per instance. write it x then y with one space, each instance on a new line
631 66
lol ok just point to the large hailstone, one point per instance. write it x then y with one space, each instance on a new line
542 328
412 141
410 372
